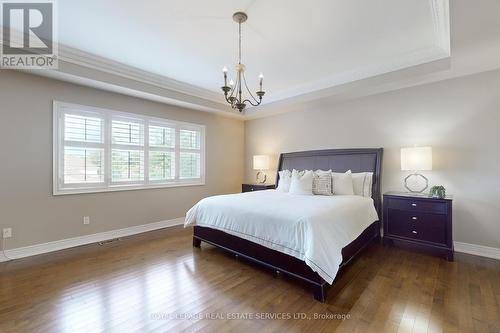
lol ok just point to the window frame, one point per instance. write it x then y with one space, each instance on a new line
108 185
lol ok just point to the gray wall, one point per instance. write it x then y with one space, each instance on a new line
26 201
459 118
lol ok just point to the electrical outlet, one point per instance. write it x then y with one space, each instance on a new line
86 220
7 233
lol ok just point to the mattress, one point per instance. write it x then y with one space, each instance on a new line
312 228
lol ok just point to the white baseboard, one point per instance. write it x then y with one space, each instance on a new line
27 251
478 250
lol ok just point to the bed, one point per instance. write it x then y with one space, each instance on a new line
311 238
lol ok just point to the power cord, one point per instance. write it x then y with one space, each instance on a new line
3 250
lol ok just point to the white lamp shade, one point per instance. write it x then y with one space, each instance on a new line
260 162
416 159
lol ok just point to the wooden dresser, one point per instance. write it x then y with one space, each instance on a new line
419 222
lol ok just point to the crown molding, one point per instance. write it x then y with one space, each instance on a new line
84 68
417 62
440 50
317 88
440 10
130 88
88 60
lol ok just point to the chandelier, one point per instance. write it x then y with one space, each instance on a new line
234 92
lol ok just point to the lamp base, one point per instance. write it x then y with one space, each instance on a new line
417 189
261 177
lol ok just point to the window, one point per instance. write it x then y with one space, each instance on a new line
97 150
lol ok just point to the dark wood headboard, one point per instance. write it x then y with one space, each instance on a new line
339 160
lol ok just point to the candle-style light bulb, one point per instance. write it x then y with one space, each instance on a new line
231 83
261 77
224 70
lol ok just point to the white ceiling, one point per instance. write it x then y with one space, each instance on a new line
300 46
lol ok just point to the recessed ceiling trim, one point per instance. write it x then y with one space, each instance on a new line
441 20
441 50
124 90
85 59
416 57
161 88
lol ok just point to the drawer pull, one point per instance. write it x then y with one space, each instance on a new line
251 189
414 204
414 218
414 232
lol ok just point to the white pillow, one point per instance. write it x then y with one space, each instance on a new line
284 181
362 183
322 182
342 183
301 182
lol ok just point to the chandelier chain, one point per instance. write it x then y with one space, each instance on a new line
233 92
239 48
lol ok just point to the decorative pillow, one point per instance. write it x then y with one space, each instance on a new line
301 182
362 183
284 181
322 182
342 183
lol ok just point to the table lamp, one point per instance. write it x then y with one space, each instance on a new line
260 163
416 159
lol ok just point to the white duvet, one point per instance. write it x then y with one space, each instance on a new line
312 228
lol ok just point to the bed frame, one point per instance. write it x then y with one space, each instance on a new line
339 160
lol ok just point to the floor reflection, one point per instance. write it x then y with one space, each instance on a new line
160 283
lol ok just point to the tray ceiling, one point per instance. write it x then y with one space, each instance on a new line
300 46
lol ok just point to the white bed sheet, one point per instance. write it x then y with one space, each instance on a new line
312 228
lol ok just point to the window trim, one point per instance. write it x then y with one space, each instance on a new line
58 188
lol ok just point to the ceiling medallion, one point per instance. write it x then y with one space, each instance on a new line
234 92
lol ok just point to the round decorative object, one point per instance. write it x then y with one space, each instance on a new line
240 17
240 67
416 183
261 177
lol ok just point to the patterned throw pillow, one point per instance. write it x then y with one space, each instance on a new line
322 182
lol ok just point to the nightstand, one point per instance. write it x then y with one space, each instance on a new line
256 187
420 222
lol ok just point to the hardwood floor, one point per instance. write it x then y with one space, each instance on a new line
147 283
